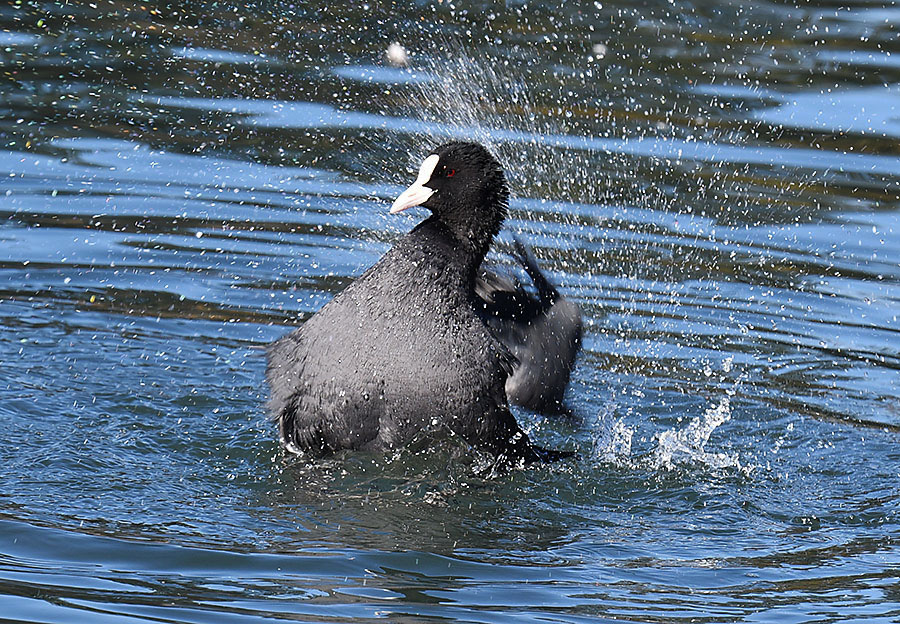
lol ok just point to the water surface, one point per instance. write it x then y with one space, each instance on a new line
717 186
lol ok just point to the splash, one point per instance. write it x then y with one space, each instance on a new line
537 131
687 446
612 443
492 102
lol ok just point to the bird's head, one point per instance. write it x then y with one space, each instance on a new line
463 186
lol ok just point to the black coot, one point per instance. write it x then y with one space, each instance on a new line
543 332
403 349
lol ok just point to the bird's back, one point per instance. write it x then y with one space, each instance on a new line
400 350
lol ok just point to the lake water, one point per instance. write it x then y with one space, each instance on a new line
717 186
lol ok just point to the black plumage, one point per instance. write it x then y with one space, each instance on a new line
403 348
543 332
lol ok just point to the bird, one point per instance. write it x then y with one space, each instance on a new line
542 332
403 350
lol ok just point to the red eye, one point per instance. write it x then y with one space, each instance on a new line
451 173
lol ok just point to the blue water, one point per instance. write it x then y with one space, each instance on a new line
717 186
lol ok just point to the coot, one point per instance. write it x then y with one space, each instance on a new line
403 348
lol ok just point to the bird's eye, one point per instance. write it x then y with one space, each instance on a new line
450 173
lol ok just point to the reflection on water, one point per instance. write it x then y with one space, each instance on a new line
718 189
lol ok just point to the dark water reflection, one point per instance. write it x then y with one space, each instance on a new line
716 185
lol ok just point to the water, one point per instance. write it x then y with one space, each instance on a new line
717 186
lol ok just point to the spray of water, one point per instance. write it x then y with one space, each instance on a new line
687 446
612 441
527 127
489 101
